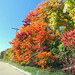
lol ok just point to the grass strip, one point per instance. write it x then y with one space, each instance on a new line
35 70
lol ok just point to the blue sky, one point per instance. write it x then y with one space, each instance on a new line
12 12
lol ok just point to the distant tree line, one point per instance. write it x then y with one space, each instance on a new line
5 52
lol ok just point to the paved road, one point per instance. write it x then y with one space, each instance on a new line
6 69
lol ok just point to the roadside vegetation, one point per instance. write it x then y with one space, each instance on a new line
35 70
46 40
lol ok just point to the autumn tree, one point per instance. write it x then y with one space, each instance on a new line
38 35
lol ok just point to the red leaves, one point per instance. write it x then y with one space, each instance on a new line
48 32
42 33
39 38
69 39
73 72
43 49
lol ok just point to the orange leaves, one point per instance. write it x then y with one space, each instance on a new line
17 52
32 16
49 53
31 43
44 54
46 57
44 4
12 54
21 57
17 44
29 52
42 33
10 50
27 59
48 32
56 5
48 68
65 20
39 38
55 56
41 62
52 37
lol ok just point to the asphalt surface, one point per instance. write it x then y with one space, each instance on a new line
6 69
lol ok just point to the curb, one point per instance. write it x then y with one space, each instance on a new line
27 73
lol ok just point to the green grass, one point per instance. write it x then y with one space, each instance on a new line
34 70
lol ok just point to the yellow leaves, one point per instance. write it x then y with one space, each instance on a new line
45 14
73 18
52 1
56 5
44 4
48 16
34 38
56 34
12 54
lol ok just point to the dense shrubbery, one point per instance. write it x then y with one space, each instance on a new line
47 37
